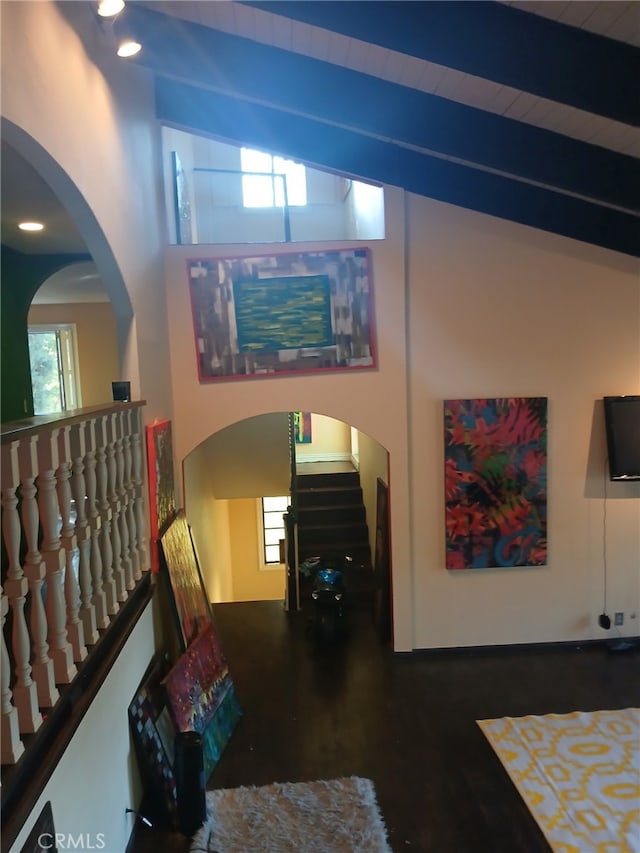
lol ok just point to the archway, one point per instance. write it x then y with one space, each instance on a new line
31 177
228 474
72 307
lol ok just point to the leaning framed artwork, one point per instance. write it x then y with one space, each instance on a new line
495 482
153 732
287 313
180 565
162 498
202 696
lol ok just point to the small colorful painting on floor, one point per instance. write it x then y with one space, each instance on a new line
201 695
496 482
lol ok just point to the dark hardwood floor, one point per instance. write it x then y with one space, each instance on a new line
405 721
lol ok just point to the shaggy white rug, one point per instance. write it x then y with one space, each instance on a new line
578 773
329 816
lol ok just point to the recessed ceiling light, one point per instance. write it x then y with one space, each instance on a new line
30 226
109 8
129 48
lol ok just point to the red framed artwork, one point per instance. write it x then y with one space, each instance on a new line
162 500
282 314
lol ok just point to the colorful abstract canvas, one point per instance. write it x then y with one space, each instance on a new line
188 594
302 427
496 482
202 697
162 498
280 314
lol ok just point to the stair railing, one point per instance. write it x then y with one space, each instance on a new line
74 549
292 592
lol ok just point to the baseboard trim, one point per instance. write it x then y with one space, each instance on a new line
534 648
323 457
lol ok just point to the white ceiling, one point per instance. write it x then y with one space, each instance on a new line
614 19
26 195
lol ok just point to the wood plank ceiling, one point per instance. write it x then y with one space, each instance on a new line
527 111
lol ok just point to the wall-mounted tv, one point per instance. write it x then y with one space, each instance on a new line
622 423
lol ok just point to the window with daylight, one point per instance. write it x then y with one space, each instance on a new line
267 188
273 528
54 369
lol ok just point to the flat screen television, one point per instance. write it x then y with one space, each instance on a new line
622 424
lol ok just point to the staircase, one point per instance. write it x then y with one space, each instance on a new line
332 522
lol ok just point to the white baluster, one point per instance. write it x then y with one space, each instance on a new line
35 571
75 629
99 598
141 527
54 558
11 745
25 695
83 531
106 538
115 464
130 488
121 468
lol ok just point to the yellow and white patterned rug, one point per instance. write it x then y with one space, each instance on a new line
578 773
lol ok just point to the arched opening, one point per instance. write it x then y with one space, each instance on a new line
68 264
73 348
227 476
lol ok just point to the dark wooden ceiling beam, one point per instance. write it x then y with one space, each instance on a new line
335 95
338 149
494 41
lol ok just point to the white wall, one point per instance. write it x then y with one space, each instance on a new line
493 309
374 401
100 758
209 522
330 440
498 309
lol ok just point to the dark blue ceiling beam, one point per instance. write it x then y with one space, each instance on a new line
491 40
233 120
337 95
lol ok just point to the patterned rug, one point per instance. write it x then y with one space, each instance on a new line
332 816
579 775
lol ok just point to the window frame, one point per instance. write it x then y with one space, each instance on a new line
281 172
264 564
68 367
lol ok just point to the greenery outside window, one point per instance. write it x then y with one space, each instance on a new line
268 190
272 527
54 368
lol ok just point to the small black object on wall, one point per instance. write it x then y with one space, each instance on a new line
190 782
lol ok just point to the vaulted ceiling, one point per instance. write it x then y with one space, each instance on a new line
527 111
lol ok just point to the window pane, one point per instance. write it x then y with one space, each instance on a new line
272 553
257 191
45 372
273 535
273 519
272 504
